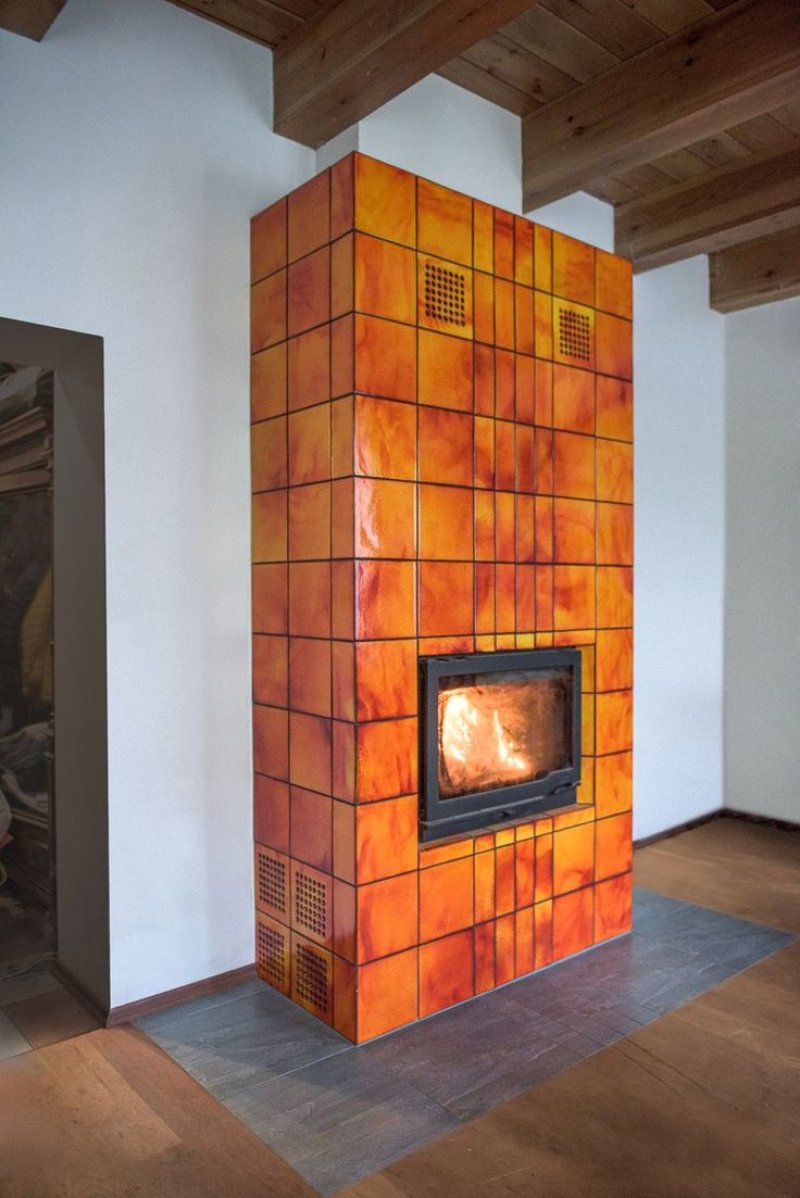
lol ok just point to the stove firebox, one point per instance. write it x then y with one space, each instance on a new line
499 737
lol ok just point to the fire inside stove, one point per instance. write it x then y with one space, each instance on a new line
502 729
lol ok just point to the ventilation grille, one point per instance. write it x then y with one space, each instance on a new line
271 956
310 905
311 978
271 882
575 334
445 295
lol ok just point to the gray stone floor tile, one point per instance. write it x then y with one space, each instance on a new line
12 1041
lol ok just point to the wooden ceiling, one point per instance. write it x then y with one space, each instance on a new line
684 114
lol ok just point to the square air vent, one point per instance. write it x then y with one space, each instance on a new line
310 905
272 954
272 882
445 295
574 334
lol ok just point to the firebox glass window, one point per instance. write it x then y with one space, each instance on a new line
500 729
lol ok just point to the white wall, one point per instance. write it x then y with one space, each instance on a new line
136 145
762 638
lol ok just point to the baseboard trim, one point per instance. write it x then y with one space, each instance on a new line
785 825
684 827
79 991
170 998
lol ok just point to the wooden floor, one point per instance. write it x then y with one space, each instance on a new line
702 1102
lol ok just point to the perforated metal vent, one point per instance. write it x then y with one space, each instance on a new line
310 904
271 955
575 334
271 882
445 295
311 978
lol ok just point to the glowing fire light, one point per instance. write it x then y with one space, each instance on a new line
475 742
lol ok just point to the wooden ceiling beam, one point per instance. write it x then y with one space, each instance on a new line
30 18
756 272
343 65
750 198
735 64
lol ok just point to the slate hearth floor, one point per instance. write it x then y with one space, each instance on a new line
337 1113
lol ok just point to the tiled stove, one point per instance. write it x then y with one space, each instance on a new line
442 465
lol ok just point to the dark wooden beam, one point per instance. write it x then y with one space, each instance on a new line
342 66
750 198
30 18
733 65
757 272
260 20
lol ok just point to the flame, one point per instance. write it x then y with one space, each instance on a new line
474 741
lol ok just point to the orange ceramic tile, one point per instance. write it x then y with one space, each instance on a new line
385 518
385 201
312 828
446 970
614 721
504 384
573 817
543 324
613 911
269 532
574 465
504 313
544 868
614 659
444 222
385 438
342 196
268 454
310 445
309 368
445 298
345 920
504 528
310 752
573 922
270 670
504 836
310 522
342 518
524 640
310 676
614 596
432 646
271 741
543 392
524 388
385 279
574 588
573 399
344 840
614 471
484 380
483 235
445 447
342 600
387 679
387 994
614 346
504 882
523 320
345 1003
504 949
484 526
385 358
613 284
343 276
385 598
445 371
343 736
387 917
614 845
484 958
342 334
574 526
310 599
271 813
573 858
544 461
446 598
309 220
542 258
524 873
386 838
544 528
614 784
506 604
523 251
268 311
524 451
503 244
270 598
485 620
526 529
445 898
614 408
573 269
485 644
484 452
445 522
484 886
483 307
545 597
573 334
268 241
309 291
342 435
543 933
505 454
523 942
386 759
525 583
614 534
268 383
